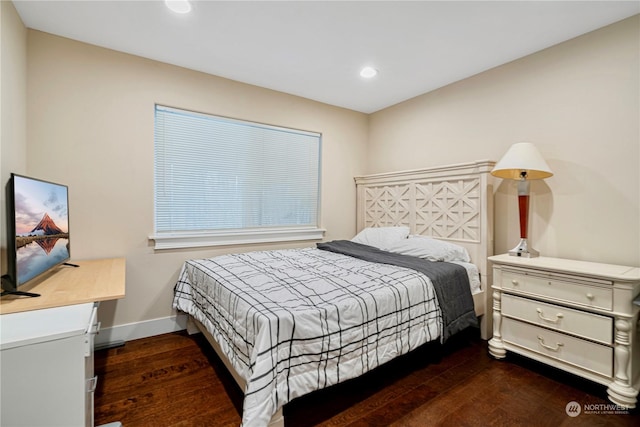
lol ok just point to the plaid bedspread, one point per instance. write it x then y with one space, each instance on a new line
294 321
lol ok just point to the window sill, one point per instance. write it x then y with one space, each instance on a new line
233 237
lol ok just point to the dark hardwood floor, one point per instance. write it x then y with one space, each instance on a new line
177 380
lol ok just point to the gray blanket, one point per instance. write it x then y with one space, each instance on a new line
450 281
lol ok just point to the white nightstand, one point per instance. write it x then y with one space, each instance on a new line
577 316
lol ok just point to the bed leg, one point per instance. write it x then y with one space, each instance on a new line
191 326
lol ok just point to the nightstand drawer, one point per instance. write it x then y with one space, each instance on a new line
575 351
550 287
587 325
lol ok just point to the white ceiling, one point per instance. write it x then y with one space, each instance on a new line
315 49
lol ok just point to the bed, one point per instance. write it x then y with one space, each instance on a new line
289 322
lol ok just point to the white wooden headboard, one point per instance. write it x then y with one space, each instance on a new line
453 202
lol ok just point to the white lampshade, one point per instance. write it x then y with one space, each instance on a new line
522 157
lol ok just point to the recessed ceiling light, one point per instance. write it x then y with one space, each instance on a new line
368 72
178 6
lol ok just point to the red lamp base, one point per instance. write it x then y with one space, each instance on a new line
523 249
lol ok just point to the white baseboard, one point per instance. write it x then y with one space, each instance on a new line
134 331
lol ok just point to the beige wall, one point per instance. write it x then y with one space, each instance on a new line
579 103
91 114
13 109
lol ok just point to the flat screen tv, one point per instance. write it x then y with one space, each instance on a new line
37 230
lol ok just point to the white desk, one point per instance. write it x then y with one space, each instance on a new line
46 345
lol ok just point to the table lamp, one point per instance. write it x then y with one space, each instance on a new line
522 162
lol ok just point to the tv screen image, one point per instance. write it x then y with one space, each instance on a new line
39 223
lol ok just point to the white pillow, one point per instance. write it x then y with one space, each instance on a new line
430 248
381 237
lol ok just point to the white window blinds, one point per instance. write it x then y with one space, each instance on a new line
225 177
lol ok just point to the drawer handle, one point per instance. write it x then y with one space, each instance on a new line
96 329
515 282
546 319
590 296
92 383
548 347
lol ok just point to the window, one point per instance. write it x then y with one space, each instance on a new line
221 181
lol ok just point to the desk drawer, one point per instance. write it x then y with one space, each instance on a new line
587 325
575 351
550 287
